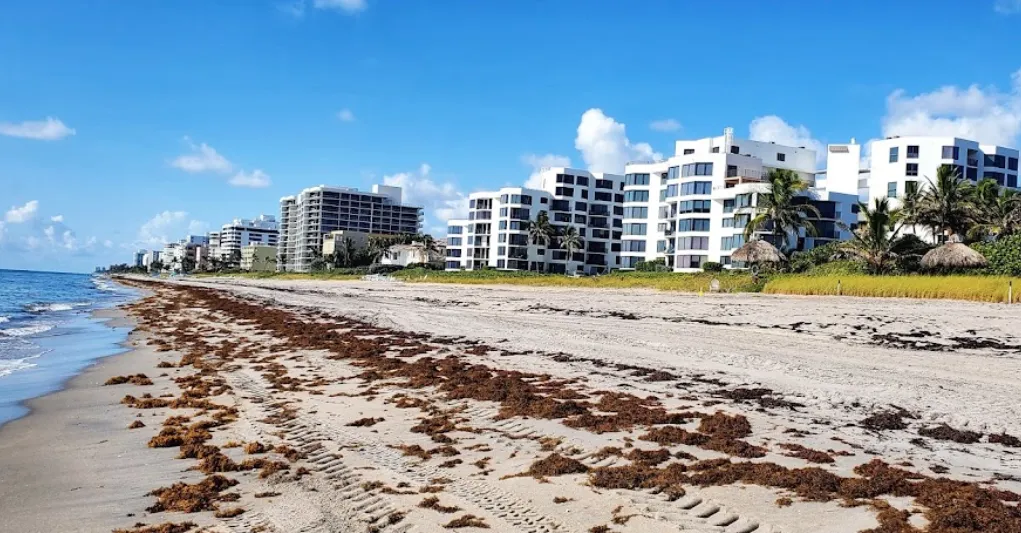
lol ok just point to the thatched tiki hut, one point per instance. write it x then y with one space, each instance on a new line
952 255
757 251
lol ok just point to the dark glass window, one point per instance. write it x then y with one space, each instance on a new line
894 153
912 152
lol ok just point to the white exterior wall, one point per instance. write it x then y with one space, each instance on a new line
737 168
483 243
241 232
888 176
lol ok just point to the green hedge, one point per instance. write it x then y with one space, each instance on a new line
1004 255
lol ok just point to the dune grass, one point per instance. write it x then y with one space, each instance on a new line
962 287
667 281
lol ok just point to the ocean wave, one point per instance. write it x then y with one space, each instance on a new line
4 319
53 307
104 285
10 366
25 331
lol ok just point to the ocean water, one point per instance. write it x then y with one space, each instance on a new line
47 334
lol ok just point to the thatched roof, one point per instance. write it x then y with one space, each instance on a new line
757 251
953 255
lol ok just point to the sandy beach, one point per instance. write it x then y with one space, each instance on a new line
311 406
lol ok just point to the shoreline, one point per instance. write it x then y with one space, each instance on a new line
71 459
315 407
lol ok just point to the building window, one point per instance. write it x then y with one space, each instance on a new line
689 151
912 152
453 241
636 212
635 229
781 157
673 173
950 152
636 179
604 184
581 180
693 224
454 230
715 150
543 200
697 169
636 196
911 169
633 246
696 187
693 243
891 189
735 149
972 173
894 152
691 261
1012 163
1011 181
910 187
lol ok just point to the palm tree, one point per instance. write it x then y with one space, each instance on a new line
347 253
947 204
541 232
997 213
876 242
778 211
570 240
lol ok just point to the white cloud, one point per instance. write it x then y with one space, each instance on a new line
772 128
203 158
988 115
51 129
442 201
17 215
168 226
256 179
57 218
346 115
1007 7
49 232
604 145
347 6
538 162
667 124
108 244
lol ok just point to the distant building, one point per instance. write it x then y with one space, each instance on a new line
241 232
258 258
317 211
414 253
903 165
140 258
334 240
151 257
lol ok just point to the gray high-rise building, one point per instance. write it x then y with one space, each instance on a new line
315 211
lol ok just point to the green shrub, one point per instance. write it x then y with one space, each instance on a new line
658 265
422 266
712 266
1003 255
384 269
807 260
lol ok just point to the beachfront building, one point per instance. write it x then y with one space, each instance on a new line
140 258
258 258
316 211
495 234
902 165
241 232
336 240
152 257
416 253
693 207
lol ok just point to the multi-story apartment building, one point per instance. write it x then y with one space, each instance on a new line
315 211
901 165
258 258
693 208
495 234
241 232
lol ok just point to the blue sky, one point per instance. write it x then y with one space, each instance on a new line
123 124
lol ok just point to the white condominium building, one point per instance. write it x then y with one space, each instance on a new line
901 165
495 234
693 208
241 232
315 211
